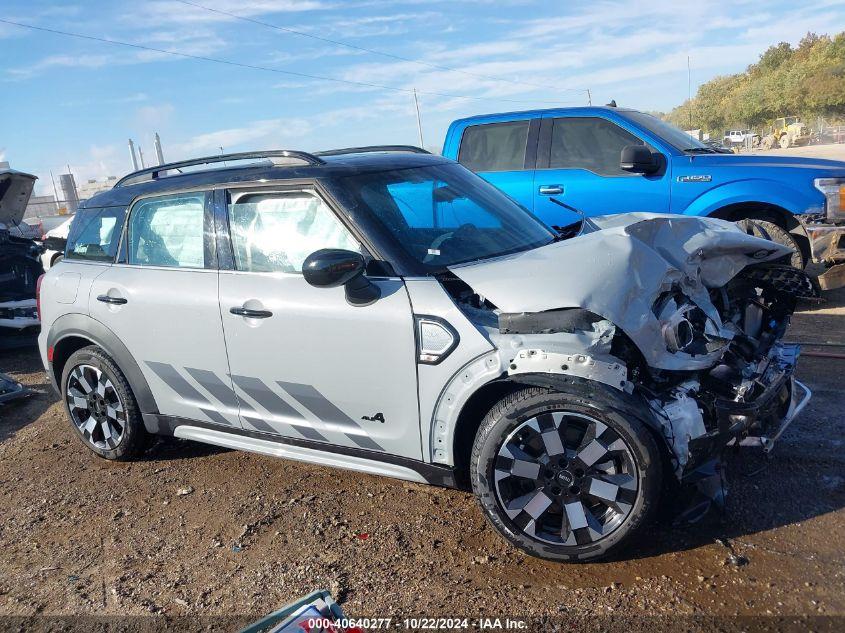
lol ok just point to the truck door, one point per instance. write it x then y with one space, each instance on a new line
504 155
305 363
578 163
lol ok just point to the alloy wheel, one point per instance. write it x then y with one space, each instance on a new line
565 478
95 407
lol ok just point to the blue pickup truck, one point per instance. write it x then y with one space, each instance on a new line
603 160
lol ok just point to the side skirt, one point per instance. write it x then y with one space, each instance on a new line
349 458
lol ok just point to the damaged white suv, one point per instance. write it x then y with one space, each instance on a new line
386 310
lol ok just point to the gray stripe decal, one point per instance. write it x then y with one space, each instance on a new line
315 402
183 388
216 387
260 425
260 392
215 416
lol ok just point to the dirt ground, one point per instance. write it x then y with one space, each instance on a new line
197 531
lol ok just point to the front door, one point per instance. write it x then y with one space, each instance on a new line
305 363
160 299
578 163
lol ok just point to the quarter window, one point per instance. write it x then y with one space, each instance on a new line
94 234
168 231
589 143
275 232
494 147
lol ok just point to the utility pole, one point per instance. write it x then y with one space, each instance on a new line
419 120
55 191
689 92
589 97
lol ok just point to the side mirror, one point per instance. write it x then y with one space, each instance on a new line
333 267
638 159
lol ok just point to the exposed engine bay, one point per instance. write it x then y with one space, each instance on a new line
20 265
684 315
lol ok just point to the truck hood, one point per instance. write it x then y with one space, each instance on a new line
15 189
619 267
831 167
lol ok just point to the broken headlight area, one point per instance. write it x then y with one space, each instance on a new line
686 327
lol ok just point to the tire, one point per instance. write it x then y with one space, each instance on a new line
100 405
56 259
771 231
784 141
512 498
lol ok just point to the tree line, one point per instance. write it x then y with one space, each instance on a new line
807 80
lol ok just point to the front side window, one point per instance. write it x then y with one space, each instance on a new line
441 215
94 234
168 231
275 232
589 143
494 146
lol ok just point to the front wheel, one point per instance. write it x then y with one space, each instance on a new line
561 479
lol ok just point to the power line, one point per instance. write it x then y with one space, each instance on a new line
369 50
229 62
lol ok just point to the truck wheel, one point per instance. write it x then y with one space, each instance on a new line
771 231
561 479
100 404
784 141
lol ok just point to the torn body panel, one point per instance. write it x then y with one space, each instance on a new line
622 270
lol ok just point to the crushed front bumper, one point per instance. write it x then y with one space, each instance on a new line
758 422
827 246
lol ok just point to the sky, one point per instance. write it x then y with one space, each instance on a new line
72 101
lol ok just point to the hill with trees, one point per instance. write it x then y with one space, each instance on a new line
807 80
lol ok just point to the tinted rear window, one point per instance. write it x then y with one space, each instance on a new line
95 233
494 147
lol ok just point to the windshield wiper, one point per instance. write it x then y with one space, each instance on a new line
700 150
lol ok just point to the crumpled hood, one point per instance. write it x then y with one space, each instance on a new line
15 189
618 267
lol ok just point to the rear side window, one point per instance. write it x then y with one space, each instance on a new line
275 232
589 143
168 231
95 233
494 147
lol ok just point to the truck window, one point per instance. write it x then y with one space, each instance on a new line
589 143
494 146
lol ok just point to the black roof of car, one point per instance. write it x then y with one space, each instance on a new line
298 166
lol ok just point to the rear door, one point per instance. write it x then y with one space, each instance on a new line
308 365
504 154
578 163
160 299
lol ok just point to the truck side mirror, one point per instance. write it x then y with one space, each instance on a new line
333 267
638 159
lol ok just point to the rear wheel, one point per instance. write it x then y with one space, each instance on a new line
100 404
771 231
561 479
784 141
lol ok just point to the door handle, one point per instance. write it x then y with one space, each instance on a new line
115 301
249 313
550 190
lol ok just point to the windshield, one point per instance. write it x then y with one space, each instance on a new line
676 137
441 215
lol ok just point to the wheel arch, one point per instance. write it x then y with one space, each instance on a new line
770 213
72 332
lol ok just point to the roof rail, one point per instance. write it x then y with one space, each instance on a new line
374 148
154 172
